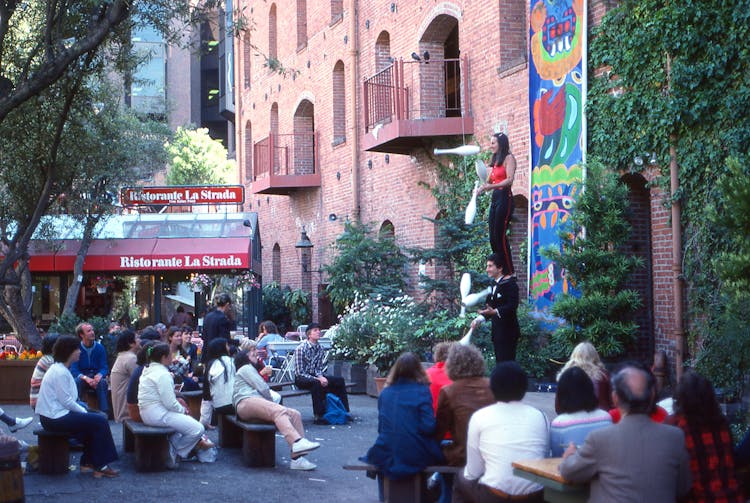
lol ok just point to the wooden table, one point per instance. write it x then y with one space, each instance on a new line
546 473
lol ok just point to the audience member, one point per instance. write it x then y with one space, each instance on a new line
309 365
578 412
585 357
41 367
436 373
159 407
180 317
656 412
127 346
131 396
708 440
406 422
216 323
500 434
180 367
265 371
59 411
253 401
91 369
636 459
218 383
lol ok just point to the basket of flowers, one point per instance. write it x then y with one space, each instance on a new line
247 281
200 282
102 283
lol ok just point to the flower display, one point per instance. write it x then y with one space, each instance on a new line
199 282
247 280
102 281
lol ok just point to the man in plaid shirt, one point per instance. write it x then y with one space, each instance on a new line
308 369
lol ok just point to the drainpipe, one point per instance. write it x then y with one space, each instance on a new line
354 104
679 332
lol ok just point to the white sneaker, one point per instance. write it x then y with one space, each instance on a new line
302 464
303 446
21 422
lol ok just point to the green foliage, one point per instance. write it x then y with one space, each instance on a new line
675 78
274 306
592 239
376 331
364 265
65 324
533 352
298 306
197 159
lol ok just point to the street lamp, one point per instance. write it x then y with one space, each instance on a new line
304 245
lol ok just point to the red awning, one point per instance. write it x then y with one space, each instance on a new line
143 255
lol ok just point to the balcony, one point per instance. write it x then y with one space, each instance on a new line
411 103
285 163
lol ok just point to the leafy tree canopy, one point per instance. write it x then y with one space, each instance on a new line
197 159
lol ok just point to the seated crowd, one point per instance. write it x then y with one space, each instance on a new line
611 434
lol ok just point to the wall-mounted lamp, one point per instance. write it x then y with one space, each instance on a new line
332 217
638 159
369 163
338 175
387 158
393 7
367 24
248 224
304 246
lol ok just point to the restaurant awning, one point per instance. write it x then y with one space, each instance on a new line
184 243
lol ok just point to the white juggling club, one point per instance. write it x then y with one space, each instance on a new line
471 208
481 169
462 150
464 287
466 339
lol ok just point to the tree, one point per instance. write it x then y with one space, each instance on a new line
592 240
50 53
197 159
364 265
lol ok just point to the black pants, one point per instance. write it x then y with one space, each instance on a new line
318 392
504 341
501 210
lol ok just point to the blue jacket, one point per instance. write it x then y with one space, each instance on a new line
406 431
91 365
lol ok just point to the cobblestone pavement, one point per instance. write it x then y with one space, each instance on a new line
228 480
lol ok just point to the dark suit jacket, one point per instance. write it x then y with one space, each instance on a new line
636 460
215 324
456 403
504 298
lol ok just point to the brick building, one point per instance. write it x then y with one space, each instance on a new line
321 143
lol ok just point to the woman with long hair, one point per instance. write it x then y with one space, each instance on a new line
158 405
500 181
585 357
406 441
708 441
59 410
218 382
127 346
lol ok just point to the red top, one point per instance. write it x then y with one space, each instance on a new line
657 416
438 379
498 174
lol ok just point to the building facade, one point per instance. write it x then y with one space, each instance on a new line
340 103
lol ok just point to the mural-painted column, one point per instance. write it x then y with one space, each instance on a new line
556 93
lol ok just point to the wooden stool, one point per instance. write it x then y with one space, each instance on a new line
54 451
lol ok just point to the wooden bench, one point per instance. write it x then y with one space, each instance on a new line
294 391
409 488
193 400
150 444
54 451
258 440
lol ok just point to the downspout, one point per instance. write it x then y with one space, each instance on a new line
354 105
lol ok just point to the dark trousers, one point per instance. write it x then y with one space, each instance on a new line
102 392
318 392
504 341
92 430
501 210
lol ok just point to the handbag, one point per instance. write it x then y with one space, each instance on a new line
335 411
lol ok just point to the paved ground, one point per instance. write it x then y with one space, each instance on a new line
228 480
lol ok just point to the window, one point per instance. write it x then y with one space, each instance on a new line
301 24
272 35
337 10
248 146
276 264
382 51
147 87
514 33
339 103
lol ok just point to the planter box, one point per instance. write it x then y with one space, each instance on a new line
14 380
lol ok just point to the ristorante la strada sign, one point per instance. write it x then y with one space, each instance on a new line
215 261
182 195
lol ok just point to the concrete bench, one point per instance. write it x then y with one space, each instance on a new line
150 444
54 451
409 488
258 441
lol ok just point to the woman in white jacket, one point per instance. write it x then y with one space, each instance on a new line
158 405
218 383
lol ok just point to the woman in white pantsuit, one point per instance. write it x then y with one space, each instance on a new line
158 405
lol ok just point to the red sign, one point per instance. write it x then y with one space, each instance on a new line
182 195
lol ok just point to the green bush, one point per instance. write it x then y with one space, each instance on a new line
297 303
274 306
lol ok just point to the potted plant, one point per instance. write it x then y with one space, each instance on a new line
200 282
101 283
247 281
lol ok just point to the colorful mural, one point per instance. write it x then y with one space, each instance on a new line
556 37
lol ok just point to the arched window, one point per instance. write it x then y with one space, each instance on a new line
273 49
247 53
274 132
301 23
339 104
382 51
387 231
276 264
248 147
304 139
337 10
514 34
